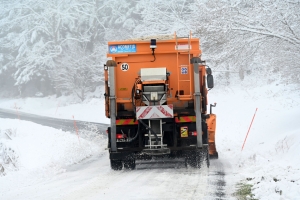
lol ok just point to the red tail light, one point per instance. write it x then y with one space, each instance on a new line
120 136
194 133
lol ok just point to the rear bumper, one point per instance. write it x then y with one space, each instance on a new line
140 153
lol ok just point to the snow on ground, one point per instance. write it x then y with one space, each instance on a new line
270 158
32 153
26 146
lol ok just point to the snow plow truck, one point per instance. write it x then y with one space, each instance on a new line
156 99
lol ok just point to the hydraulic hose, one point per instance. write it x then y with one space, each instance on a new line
132 99
132 94
136 135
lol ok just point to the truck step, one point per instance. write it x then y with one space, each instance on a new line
158 151
152 135
160 163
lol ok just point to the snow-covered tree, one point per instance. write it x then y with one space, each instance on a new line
78 72
164 17
251 36
38 32
239 37
120 19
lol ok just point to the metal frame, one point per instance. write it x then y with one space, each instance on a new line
112 98
197 103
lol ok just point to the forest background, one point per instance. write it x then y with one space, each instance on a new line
59 47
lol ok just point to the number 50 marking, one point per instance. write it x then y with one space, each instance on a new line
124 67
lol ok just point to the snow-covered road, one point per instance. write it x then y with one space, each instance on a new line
93 179
155 183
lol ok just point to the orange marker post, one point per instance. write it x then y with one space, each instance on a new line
17 111
75 126
249 129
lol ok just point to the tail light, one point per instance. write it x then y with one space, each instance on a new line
194 133
120 136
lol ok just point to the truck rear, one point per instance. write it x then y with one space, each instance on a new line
156 99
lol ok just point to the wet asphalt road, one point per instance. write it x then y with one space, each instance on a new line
63 124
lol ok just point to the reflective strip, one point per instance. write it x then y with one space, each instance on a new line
126 122
183 119
154 112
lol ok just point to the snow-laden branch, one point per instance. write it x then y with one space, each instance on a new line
292 41
95 16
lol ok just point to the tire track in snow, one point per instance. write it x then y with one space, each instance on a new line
217 174
155 183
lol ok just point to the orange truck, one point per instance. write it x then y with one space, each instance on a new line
156 99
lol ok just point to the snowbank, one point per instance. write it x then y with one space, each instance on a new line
270 158
26 146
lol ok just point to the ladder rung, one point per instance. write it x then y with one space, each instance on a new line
185 50
184 80
156 145
185 97
152 135
183 37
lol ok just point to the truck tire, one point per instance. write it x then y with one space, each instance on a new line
116 164
206 156
129 164
197 158
207 160
192 159
200 158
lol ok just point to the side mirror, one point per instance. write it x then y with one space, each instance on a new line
210 81
208 71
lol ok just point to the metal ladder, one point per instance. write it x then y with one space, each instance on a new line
156 126
189 69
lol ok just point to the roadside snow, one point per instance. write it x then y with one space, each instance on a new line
31 154
270 158
32 148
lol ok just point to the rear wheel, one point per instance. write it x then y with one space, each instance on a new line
129 164
206 155
194 159
200 158
190 159
116 164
